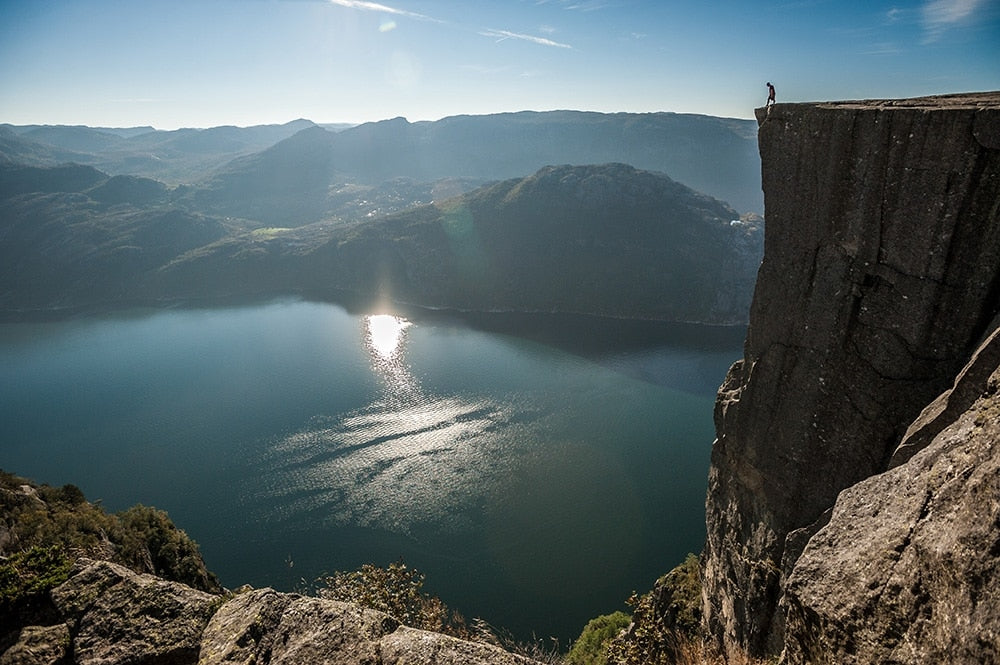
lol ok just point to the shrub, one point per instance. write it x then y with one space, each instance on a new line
665 621
150 540
143 539
591 648
666 626
25 580
26 575
396 590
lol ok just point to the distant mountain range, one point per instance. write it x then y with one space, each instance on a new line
438 214
717 156
175 157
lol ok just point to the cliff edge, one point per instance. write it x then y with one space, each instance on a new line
880 281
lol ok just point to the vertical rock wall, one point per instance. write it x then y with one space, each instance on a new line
881 274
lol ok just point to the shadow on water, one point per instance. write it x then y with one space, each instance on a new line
595 337
588 335
689 357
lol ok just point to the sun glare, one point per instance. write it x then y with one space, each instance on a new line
384 332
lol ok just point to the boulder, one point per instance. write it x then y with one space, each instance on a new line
40 645
117 616
110 615
908 568
265 627
942 412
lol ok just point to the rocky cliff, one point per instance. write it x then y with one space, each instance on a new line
880 280
106 614
79 585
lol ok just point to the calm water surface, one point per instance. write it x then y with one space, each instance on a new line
537 469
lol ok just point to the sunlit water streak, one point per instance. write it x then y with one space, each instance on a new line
406 460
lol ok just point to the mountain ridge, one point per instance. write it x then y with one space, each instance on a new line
521 244
600 239
714 155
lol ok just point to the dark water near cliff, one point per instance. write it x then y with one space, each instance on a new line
536 468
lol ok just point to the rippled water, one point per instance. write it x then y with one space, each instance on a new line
536 483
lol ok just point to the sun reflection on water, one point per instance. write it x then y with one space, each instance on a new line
384 333
384 338
409 457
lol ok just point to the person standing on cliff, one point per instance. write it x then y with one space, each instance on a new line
770 95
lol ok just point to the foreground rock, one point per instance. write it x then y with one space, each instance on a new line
114 616
111 614
908 569
265 626
881 275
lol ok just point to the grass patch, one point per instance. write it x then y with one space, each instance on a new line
267 232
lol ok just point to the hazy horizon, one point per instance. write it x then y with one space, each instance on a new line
325 124
186 64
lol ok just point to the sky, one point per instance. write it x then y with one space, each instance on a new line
205 63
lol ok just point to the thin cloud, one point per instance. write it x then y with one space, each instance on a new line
484 70
578 5
503 35
940 15
363 5
590 6
883 49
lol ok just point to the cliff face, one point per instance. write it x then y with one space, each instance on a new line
881 276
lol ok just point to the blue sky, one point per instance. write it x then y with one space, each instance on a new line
184 63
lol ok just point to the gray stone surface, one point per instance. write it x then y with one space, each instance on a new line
942 412
117 616
39 645
266 627
881 273
908 568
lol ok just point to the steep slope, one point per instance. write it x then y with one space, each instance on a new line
285 185
908 569
71 236
881 273
608 240
80 585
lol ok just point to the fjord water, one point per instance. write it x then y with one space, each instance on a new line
537 469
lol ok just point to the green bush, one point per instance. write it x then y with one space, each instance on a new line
665 621
591 648
141 538
150 540
27 575
396 590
